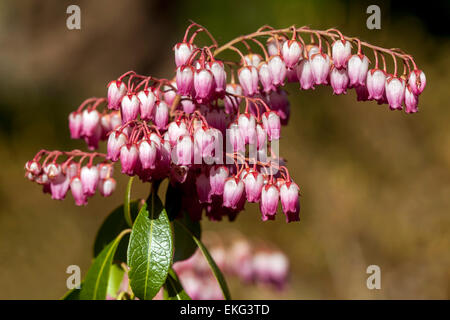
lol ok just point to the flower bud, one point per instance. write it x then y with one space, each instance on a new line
269 201
272 47
203 143
175 130
129 156
305 75
89 178
147 100
161 115
116 91
129 107
220 76
265 76
185 80
76 187
272 125
183 52
235 138
277 68
75 124
147 154
115 142
411 100
417 81
253 59
289 195
254 183
184 151
105 170
33 166
52 170
375 82
59 186
217 178
339 80
357 67
248 78
203 84
395 92
291 52
340 52
107 186
91 120
320 67
233 192
247 126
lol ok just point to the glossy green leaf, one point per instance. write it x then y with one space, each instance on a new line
150 249
113 225
215 269
173 290
95 284
115 280
126 203
185 246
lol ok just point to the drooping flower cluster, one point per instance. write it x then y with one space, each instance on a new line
214 128
250 263
57 178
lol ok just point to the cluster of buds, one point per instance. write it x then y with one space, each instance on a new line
214 128
57 178
250 263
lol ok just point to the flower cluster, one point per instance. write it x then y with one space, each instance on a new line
214 128
250 263
57 178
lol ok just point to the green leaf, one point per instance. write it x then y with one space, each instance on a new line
126 203
215 269
150 249
95 284
73 294
185 246
115 280
113 225
173 290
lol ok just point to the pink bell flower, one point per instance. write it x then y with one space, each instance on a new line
185 79
320 67
129 157
417 81
277 68
147 101
89 178
341 51
116 91
291 52
75 124
357 68
395 92
233 192
254 182
248 78
289 196
339 80
269 201
375 83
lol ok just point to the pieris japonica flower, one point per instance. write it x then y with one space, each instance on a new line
395 92
320 67
417 81
248 78
341 52
211 128
376 82
233 192
116 91
291 52
183 52
357 68
339 80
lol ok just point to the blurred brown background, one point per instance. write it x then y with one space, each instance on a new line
375 183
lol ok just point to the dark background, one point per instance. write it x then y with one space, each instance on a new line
375 184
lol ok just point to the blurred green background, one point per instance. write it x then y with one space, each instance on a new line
375 184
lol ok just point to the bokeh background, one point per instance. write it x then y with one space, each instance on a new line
375 183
